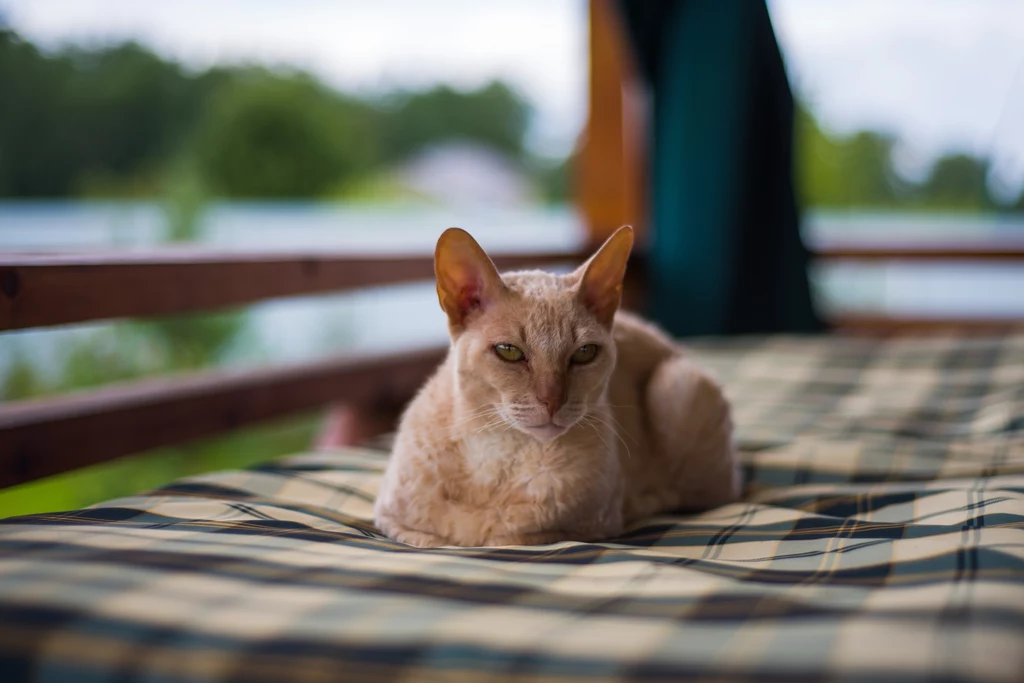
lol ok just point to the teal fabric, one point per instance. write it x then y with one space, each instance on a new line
726 255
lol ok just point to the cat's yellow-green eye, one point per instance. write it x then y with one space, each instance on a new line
513 354
584 354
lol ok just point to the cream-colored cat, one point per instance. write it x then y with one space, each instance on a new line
554 417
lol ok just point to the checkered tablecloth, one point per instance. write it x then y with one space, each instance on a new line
882 539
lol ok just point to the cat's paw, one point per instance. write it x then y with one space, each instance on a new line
419 539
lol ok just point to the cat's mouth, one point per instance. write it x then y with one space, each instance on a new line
546 432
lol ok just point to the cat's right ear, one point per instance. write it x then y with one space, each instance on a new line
466 278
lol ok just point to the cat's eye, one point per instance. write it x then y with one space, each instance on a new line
584 354
513 354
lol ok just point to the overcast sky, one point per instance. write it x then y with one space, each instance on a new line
943 75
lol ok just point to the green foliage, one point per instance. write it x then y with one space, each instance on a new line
122 121
493 115
858 171
273 136
958 182
22 380
83 115
189 342
556 179
185 200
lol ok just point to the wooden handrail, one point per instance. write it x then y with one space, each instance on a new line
45 437
881 325
40 438
984 250
42 290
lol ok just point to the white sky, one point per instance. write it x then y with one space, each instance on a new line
943 75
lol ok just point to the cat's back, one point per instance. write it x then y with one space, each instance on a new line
640 347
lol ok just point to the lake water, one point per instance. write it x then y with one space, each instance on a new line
392 318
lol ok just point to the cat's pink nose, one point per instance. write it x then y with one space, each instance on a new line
552 400
552 407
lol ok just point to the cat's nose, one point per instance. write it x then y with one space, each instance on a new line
553 398
552 406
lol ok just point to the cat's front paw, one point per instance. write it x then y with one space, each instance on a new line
420 539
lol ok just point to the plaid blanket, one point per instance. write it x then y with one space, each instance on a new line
882 540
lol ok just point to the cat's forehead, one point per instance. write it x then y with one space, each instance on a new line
539 285
542 298
545 309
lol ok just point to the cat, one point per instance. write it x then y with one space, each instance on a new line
555 416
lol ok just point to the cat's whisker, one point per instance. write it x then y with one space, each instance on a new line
496 420
615 430
620 429
597 430
479 412
490 424
622 405
487 412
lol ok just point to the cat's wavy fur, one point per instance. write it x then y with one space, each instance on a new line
493 452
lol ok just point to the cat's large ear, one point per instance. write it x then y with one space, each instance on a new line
601 276
466 278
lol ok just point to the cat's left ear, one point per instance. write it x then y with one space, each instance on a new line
602 275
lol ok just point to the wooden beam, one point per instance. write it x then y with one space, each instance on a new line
40 438
41 290
880 325
610 176
987 250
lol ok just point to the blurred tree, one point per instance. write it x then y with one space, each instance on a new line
21 379
867 167
116 121
958 182
493 115
858 172
122 121
29 113
854 171
818 163
85 116
188 341
556 179
268 135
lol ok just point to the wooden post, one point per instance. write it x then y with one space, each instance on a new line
610 171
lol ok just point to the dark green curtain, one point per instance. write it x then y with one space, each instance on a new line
726 255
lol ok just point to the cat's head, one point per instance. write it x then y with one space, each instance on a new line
532 350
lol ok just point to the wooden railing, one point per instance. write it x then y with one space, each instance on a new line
987 250
1008 250
42 290
45 437
39 438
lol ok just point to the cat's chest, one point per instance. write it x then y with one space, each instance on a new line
504 463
